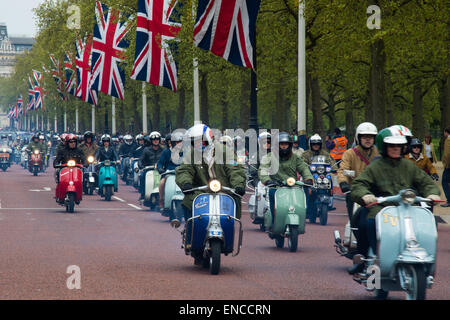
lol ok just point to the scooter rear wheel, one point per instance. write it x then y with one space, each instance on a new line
279 241
214 258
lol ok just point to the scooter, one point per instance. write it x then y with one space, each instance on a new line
135 166
211 229
69 190
173 196
90 177
35 163
24 158
152 179
5 155
258 203
107 179
321 195
406 245
290 214
17 155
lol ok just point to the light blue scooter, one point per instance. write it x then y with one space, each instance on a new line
406 242
107 179
173 196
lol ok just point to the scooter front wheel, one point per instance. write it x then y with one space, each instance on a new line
380 294
323 214
214 258
70 205
108 192
293 238
417 285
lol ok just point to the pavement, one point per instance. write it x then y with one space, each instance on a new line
443 213
121 250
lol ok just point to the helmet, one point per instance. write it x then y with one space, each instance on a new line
226 140
63 136
416 142
168 137
264 136
106 137
155 135
285 137
295 139
176 137
115 140
70 137
365 128
139 137
201 131
88 134
404 131
389 136
147 141
128 139
315 139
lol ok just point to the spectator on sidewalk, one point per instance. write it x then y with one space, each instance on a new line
446 163
428 148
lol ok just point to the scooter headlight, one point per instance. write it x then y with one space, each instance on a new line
320 169
328 169
319 180
313 168
107 162
36 151
408 197
215 185
290 181
4 150
90 159
71 163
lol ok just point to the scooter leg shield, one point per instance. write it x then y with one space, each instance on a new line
268 219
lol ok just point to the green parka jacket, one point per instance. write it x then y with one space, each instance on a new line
230 175
386 177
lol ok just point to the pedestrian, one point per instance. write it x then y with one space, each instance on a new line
338 146
428 148
446 163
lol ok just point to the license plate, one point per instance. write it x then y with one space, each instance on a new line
6 155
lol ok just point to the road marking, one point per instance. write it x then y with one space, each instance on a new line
82 209
133 206
117 198
28 213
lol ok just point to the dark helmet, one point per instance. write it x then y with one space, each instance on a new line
147 141
416 143
88 134
285 137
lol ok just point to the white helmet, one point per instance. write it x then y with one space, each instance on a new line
155 135
315 139
365 128
176 137
201 131
139 136
41 137
226 140
402 130
264 135
128 139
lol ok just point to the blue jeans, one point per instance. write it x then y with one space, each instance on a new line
272 202
446 183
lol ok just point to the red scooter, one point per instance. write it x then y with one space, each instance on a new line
35 163
70 188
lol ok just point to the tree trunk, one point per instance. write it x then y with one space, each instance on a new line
204 116
137 118
245 100
280 105
349 126
225 124
444 101
331 114
308 100
389 102
181 107
377 84
417 116
316 108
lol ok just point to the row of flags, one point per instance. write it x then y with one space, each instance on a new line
224 27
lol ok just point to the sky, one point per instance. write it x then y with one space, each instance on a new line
18 16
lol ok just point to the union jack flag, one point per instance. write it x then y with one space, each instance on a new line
108 51
227 29
19 105
38 91
57 76
71 81
30 105
84 76
156 24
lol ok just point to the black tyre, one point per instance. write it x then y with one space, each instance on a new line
108 192
293 238
279 241
323 214
70 203
418 282
262 227
381 294
313 214
35 171
214 258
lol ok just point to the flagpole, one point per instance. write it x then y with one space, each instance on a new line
195 84
113 116
56 121
93 118
144 110
65 119
301 108
37 121
76 119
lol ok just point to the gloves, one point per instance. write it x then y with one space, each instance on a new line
369 198
161 170
271 182
309 182
240 191
435 177
187 186
344 187
434 197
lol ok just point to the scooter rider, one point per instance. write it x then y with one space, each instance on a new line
60 145
126 151
385 177
170 159
264 143
139 147
203 161
35 144
420 160
288 164
150 157
106 151
88 146
315 149
356 159
69 152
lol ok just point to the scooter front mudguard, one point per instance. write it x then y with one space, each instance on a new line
169 190
152 179
391 236
289 201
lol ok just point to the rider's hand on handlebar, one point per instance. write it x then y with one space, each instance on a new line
187 186
435 177
434 197
369 198
240 191
309 182
344 187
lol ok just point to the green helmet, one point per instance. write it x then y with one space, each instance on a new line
389 136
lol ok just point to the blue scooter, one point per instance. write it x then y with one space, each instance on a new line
211 229
320 196
107 179
406 245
